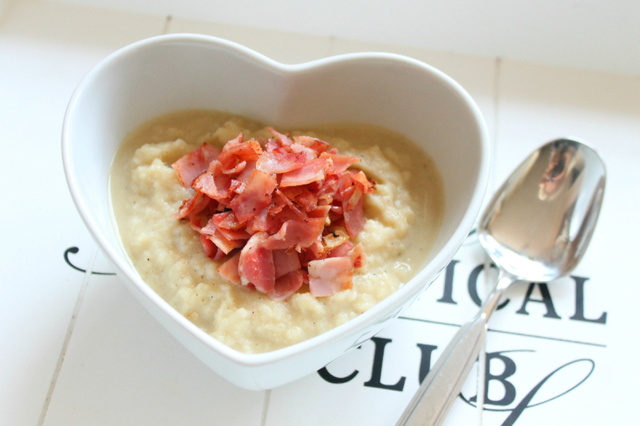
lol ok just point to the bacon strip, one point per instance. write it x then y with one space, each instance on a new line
315 144
358 256
229 269
280 161
255 197
285 261
295 234
282 139
192 206
236 151
339 163
195 163
353 211
329 276
255 265
213 182
287 285
312 171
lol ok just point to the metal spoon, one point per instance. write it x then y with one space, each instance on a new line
536 228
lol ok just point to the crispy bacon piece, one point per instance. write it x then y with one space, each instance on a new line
255 196
315 251
227 220
289 208
222 242
295 234
301 196
210 249
224 228
353 211
342 250
285 261
239 183
192 206
280 161
194 164
329 276
307 153
339 163
213 182
256 265
229 269
282 139
237 169
292 205
353 187
358 256
335 238
287 285
237 151
319 146
312 171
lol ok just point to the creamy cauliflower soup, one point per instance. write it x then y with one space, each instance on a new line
403 207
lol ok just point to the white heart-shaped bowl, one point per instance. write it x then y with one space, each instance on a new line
169 73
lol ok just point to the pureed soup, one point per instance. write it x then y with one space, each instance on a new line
402 216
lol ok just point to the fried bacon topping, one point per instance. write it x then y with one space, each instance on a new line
278 216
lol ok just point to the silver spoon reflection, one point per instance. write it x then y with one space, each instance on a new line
536 228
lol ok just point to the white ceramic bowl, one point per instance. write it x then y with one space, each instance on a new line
169 73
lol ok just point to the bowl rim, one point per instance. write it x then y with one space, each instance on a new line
392 303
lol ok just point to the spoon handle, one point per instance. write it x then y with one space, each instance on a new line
442 385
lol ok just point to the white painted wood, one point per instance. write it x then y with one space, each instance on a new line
45 50
122 368
590 34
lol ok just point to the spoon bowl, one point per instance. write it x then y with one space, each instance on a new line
536 228
540 222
